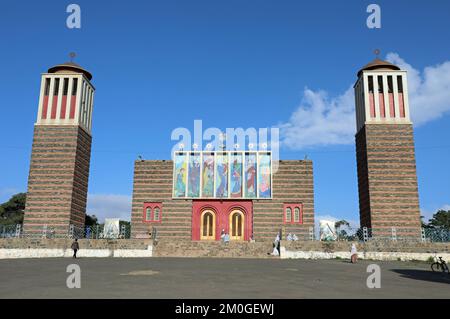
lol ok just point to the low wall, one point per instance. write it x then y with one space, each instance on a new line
47 248
374 250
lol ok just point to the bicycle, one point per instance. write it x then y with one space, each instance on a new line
440 265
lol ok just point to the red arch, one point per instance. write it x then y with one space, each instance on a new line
222 208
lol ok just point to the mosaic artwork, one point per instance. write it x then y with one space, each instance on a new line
264 176
236 175
208 175
194 175
179 184
250 175
222 175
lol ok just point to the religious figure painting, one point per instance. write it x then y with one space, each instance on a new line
221 175
194 175
250 175
208 175
236 175
180 175
264 176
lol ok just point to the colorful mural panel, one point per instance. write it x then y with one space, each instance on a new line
194 175
208 175
179 184
199 174
264 176
250 175
236 175
221 175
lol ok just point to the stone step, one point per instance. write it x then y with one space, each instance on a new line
168 248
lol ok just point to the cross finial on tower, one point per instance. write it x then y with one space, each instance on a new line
377 53
72 55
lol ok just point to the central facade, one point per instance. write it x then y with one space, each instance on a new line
199 195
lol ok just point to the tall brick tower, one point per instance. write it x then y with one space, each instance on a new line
387 179
61 151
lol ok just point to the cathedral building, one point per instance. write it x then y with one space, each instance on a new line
200 195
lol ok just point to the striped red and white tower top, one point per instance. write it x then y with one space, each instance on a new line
66 97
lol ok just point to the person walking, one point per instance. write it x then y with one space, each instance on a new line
353 254
75 246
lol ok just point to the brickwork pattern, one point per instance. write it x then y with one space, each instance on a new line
387 179
58 179
153 183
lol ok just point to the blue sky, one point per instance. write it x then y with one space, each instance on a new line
159 65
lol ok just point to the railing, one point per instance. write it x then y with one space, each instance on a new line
88 232
99 232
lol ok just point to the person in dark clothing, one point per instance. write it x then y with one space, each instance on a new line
75 246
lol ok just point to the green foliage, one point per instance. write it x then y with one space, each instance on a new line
441 219
124 222
91 220
342 233
11 212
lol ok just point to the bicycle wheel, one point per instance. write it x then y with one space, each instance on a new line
435 267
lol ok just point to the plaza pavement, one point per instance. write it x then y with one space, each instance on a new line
217 278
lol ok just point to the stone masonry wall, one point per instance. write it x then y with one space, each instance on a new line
387 179
58 178
292 183
65 243
152 182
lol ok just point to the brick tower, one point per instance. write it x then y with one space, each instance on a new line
61 151
387 179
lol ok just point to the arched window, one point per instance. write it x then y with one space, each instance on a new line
296 215
293 213
236 225
288 217
148 214
156 215
208 225
152 212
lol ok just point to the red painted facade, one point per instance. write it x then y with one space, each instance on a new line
54 106
44 107
222 210
72 106
63 107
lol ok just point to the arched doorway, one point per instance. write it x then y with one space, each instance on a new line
237 219
208 225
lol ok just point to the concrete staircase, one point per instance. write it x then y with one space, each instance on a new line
168 248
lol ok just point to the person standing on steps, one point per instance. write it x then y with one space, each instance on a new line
75 246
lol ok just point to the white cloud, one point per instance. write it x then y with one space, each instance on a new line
109 206
320 120
323 120
429 91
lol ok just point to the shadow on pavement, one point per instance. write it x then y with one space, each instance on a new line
426 275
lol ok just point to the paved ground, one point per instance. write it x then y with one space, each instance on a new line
217 278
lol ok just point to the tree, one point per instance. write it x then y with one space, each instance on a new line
11 212
90 220
342 233
441 219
